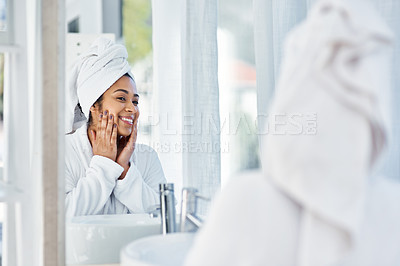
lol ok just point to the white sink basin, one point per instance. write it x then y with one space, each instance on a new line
98 239
160 250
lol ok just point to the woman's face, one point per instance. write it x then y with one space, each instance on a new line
120 100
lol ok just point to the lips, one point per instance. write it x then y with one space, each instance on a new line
127 119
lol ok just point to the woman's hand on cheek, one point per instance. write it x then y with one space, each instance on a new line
104 140
127 147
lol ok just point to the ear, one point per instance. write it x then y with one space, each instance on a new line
93 108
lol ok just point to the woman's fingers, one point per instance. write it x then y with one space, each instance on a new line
99 124
105 137
132 138
128 145
93 135
114 135
109 127
136 117
135 122
103 125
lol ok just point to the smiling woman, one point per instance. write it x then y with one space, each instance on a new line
106 171
121 100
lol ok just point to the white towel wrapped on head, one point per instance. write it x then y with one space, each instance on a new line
93 73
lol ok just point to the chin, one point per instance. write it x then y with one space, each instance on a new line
124 133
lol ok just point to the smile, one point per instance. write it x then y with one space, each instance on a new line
126 119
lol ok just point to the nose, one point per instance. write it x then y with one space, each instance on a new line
130 107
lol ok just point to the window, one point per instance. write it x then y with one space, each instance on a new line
1 111
6 22
3 15
237 88
137 34
2 204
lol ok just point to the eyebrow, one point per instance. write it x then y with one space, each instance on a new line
135 95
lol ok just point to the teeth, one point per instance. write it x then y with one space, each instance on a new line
127 119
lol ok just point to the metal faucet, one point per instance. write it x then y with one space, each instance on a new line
167 208
189 209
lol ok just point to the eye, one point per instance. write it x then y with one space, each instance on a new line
135 103
121 98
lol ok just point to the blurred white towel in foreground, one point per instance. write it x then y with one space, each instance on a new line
336 66
315 203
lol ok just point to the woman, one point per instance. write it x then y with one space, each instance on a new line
106 171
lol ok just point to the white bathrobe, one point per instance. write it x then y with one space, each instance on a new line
92 185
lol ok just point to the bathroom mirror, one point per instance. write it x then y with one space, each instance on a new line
198 98
223 138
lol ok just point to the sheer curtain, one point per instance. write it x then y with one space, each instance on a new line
186 89
274 19
200 96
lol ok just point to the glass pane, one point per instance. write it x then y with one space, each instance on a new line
1 112
2 205
3 15
237 87
137 33
2 220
